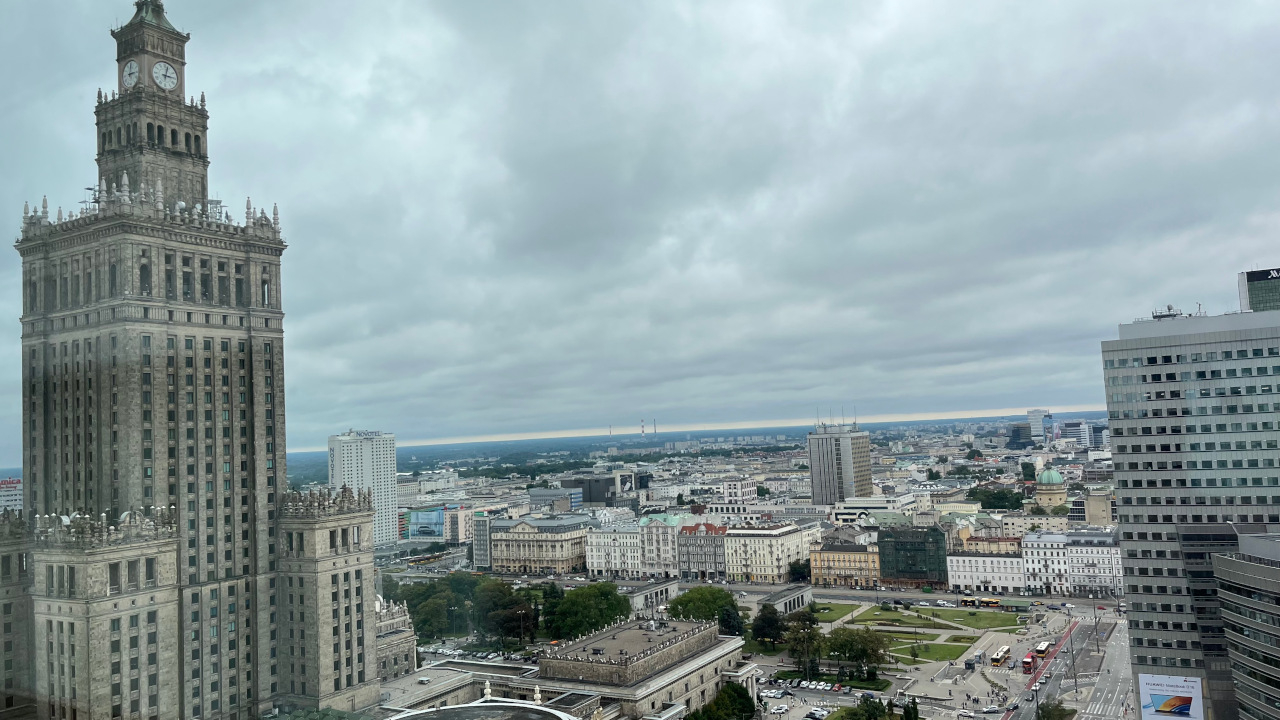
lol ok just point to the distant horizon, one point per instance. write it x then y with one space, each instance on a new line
711 427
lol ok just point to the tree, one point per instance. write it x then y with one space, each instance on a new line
996 499
731 703
973 455
1037 510
731 622
702 603
762 491
679 498
911 711
1034 527
932 475
804 642
390 587
869 649
1053 710
768 625
1029 472
1061 510
585 610
799 570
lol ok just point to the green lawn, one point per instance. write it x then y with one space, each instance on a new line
903 635
933 651
969 639
831 612
979 619
876 616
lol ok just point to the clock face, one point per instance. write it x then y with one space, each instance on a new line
130 75
164 75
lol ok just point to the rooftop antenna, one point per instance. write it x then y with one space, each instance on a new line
642 428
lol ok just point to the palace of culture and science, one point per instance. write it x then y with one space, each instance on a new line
162 568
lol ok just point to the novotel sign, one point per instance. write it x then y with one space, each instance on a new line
1258 275
365 433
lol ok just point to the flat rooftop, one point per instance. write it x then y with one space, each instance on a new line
626 640
1196 324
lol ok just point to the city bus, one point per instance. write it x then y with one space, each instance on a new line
969 602
989 602
1001 655
1042 649
1029 663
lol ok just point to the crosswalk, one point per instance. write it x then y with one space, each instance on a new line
1105 705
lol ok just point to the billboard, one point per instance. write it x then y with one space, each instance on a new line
426 523
1170 696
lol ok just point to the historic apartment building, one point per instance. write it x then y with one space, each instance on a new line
845 565
160 570
533 544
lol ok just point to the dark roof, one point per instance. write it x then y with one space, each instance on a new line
152 13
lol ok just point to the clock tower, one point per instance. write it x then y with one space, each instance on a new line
149 132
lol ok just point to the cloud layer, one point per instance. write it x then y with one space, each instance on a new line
515 216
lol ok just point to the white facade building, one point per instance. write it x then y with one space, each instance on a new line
614 551
741 489
1047 569
1093 564
1036 419
11 493
986 573
658 538
366 460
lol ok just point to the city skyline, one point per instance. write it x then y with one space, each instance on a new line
630 217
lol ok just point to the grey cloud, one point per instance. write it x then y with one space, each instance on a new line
518 216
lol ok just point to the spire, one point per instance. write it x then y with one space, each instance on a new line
150 12
202 99
26 209
59 213
44 207
248 211
159 193
275 214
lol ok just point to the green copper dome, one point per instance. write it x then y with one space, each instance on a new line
1050 477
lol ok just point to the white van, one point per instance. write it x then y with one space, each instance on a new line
424 680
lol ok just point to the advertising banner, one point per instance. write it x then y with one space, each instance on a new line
1170 696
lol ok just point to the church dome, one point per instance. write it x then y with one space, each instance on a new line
1050 477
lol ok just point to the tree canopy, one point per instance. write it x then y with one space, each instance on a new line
585 610
996 499
702 603
733 702
768 625
1060 510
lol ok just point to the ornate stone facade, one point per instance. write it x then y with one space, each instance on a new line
153 435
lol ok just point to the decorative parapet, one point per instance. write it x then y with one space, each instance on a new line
148 204
12 524
80 530
319 504
624 660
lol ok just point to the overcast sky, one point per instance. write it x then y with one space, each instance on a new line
534 217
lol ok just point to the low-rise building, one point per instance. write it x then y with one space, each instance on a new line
912 557
533 544
986 572
701 552
658 538
1019 524
764 553
614 551
845 565
740 490
1093 563
788 600
1045 557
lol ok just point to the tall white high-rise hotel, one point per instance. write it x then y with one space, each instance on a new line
839 463
366 460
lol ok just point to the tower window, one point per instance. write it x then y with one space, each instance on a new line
198 152
188 141
151 133
160 134
173 138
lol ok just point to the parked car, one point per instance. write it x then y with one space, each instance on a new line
1054 607
847 690
795 683
1067 605
781 709
964 713
896 601
925 603
991 709
836 688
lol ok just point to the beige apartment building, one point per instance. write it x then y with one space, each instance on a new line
845 565
763 553
539 545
